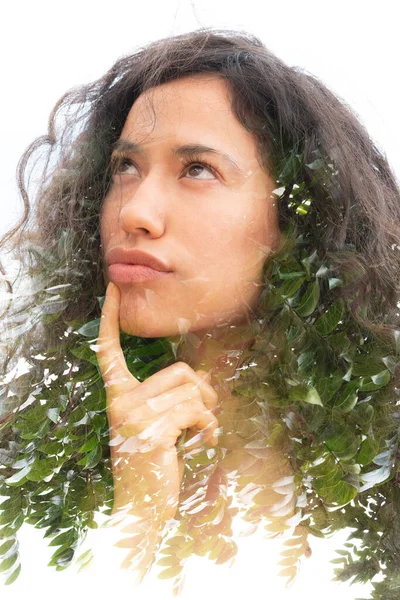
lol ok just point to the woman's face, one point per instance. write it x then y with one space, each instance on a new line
210 226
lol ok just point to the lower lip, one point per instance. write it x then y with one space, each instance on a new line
125 273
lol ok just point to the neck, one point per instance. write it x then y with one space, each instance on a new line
218 351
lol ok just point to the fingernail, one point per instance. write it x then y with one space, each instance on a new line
110 289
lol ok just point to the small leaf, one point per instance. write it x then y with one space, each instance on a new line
315 164
89 445
67 537
333 282
53 413
7 563
377 381
18 477
83 557
171 572
258 448
90 329
4 548
229 552
349 397
91 459
329 320
13 576
367 451
328 386
309 300
305 393
168 561
51 448
374 477
61 557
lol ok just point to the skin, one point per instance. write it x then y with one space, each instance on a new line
213 230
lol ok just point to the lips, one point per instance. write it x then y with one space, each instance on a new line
133 265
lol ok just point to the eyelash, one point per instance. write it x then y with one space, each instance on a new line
118 162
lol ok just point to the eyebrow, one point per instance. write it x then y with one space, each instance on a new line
123 145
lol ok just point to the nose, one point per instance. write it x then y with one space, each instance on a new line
143 210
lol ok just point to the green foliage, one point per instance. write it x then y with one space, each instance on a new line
319 386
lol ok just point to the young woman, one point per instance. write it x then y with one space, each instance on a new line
247 230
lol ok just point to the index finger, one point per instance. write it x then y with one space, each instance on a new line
109 353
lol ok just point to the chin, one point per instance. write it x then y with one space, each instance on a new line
155 323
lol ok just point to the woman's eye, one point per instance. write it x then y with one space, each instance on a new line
122 165
196 170
204 168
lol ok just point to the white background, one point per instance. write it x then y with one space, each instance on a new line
48 47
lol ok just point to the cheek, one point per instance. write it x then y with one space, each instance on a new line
108 220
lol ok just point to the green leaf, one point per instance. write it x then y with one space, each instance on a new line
368 451
328 386
349 397
364 366
91 460
377 381
333 282
304 393
52 414
339 342
340 493
305 361
89 445
292 275
84 352
318 163
96 402
327 322
19 477
78 414
309 300
4 548
65 538
290 287
342 440
42 468
11 529
13 576
375 477
62 557
99 422
90 329
363 413
84 557
7 563
51 448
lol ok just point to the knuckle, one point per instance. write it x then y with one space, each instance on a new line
214 395
182 368
193 392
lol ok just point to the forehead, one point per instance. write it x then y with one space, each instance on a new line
209 91
197 107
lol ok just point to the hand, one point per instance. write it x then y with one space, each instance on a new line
146 419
